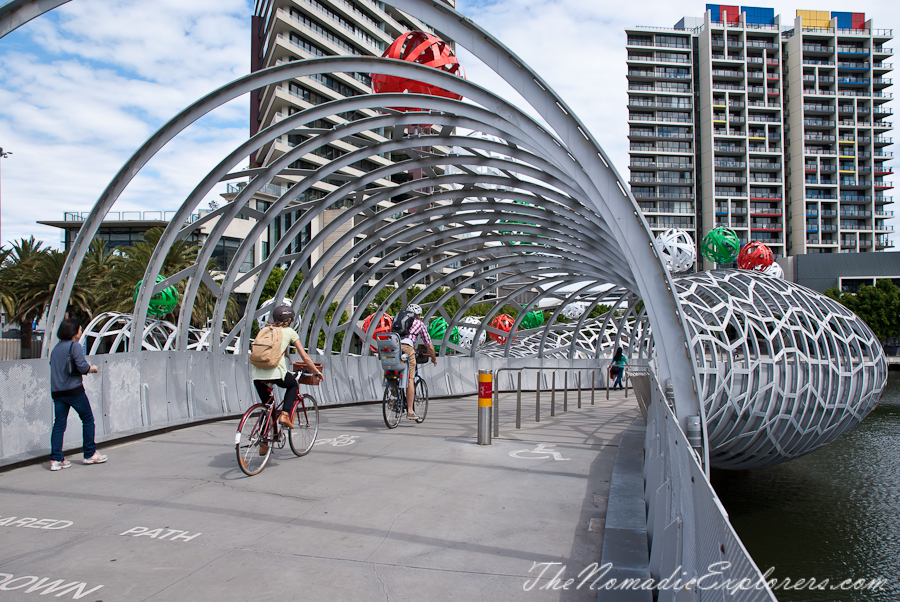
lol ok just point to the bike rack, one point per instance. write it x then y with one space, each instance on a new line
537 402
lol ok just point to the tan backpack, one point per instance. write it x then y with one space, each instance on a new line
265 350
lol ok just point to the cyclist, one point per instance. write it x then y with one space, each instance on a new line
279 376
408 324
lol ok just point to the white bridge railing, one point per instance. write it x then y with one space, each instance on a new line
688 529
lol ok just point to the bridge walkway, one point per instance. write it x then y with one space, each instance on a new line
416 513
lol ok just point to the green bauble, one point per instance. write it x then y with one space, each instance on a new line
720 245
532 319
437 329
162 303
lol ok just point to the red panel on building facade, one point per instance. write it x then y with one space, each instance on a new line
858 20
733 13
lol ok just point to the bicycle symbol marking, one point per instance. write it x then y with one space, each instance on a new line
339 441
543 451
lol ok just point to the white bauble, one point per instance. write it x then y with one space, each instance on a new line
467 333
676 249
573 311
774 270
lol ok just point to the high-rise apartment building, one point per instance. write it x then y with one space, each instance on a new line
292 30
775 132
835 75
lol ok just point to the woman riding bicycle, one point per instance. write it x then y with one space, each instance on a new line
408 338
279 376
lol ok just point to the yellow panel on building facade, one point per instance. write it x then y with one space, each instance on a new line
815 18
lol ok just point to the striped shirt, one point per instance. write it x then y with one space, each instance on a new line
415 331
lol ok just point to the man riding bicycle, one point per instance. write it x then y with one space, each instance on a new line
279 376
408 324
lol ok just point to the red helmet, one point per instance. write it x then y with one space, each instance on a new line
755 256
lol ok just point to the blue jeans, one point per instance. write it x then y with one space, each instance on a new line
61 406
618 371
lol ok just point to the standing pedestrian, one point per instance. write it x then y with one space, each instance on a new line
67 365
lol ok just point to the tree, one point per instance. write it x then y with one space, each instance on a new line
878 306
21 260
274 281
37 287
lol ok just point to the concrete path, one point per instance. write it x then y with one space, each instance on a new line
415 513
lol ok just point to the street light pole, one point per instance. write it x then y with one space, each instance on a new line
3 155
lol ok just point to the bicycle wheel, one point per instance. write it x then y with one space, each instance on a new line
250 434
420 404
306 425
390 407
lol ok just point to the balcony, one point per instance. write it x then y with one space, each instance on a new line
726 148
768 165
663 195
669 106
818 138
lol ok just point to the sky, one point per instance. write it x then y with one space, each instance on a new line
82 87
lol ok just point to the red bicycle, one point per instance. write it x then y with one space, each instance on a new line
259 431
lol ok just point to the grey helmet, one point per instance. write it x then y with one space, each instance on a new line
414 308
283 313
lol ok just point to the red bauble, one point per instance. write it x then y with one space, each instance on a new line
384 325
755 256
501 322
423 48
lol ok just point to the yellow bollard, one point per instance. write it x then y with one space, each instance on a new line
485 403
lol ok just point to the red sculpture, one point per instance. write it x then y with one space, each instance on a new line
384 325
755 256
501 322
423 48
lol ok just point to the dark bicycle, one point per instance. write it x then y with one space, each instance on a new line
393 361
259 431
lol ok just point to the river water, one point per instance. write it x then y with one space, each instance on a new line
830 515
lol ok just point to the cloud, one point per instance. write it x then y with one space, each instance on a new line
82 87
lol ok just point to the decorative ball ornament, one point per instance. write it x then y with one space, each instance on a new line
720 245
384 325
676 249
437 329
162 303
501 322
425 49
532 319
774 270
755 256
467 333
573 311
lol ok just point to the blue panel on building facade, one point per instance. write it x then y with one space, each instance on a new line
756 14
714 8
844 20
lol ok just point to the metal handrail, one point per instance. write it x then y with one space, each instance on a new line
537 408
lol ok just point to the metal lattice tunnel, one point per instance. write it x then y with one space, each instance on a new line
525 214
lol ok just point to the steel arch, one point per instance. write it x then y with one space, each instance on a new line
575 152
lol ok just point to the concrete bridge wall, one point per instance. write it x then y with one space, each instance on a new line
152 390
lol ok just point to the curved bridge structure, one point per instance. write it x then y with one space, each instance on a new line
515 211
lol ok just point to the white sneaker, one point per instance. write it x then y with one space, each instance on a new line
97 458
59 464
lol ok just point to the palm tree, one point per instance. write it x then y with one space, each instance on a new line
127 267
37 286
21 261
95 267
